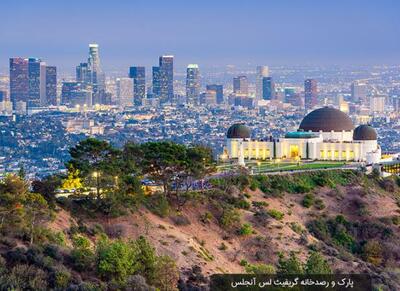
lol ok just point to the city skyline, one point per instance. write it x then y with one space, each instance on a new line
353 32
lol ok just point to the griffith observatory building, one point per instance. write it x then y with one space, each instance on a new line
324 134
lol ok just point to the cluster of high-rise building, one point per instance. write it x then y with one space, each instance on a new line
34 84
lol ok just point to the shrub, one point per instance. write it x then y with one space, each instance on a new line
166 274
230 218
276 214
158 204
242 204
206 217
82 254
260 269
137 283
259 204
396 220
308 200
243 262
388 184
116 260
290 265
246 229
296 228
60 278
372 252
180 220
261 216
317 265
223 247
53 251
25 277
319 204
115 230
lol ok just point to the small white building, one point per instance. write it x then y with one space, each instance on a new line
324 134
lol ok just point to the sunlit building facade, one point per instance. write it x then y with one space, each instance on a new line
324 134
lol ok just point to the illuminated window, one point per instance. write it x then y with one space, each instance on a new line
344 155
294 151
329 154
246 153
351 155
322 154
336 154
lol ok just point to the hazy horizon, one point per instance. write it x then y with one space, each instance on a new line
207 33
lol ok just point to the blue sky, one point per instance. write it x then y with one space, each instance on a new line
205 32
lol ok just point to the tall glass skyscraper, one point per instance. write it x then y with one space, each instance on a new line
97 75
219 91
156 82
51 85
261 72
310 94
83 73
192 84
240 86
138 75
268 86
34 76
19 82
166 64
32 82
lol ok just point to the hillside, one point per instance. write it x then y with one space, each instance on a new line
119 238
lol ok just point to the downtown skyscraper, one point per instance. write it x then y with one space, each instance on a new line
261 72
138 76
219 92
97 75
192 84
166 78
310 94
268 88
51 85
19 80
124 91
29 82
240 86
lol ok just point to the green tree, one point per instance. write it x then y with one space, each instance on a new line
36 212
92 155
13 191
166 274
116 260
230 218
290 265
82 253
162 162
47 188
146 258
372 252
317 265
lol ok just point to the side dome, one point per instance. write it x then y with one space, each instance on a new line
326 119
365 132
238 131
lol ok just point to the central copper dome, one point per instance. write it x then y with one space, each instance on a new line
238 130
326 119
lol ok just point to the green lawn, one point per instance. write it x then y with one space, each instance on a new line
271 166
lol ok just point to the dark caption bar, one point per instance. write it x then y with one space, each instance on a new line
291 282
